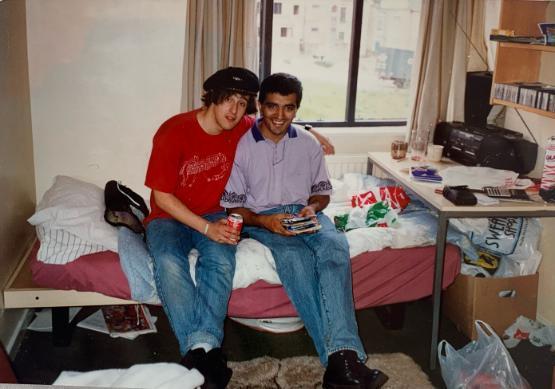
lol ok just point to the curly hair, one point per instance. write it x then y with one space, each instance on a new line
217 96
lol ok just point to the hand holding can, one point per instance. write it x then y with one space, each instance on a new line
235 221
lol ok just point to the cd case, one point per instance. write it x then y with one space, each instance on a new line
425 173
300 225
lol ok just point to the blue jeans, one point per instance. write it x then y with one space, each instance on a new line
196 313
315 270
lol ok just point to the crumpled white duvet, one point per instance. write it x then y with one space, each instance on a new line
147 376
254 261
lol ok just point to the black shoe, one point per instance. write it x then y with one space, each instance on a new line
124 207
220 373
194 359
212 365
345 371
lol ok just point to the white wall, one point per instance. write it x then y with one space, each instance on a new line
104 75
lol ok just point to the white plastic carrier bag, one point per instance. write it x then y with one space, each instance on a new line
482 363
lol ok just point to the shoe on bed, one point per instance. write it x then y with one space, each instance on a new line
124 208
212 365
346 371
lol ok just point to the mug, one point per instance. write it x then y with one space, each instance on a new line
435 152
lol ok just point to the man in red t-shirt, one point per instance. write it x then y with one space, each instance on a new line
191 160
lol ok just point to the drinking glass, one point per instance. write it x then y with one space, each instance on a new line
418 147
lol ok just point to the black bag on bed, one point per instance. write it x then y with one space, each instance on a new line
124 208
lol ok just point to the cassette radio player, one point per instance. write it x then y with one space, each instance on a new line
491 146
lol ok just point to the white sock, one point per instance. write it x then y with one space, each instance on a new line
207 347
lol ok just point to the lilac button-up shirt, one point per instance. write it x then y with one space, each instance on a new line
267 175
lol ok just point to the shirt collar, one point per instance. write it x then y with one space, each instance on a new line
291 131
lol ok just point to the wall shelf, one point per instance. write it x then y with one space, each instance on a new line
522 62
524 108
526 46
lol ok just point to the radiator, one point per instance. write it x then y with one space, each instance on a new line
346 163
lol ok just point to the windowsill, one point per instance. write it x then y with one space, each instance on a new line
345 131
360 140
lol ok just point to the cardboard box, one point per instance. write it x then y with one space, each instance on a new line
477 298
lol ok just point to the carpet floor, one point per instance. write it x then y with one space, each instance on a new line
307 372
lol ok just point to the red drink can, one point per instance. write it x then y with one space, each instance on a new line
235 221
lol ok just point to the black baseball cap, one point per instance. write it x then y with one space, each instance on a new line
235 79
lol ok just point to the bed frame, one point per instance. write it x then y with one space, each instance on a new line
22 292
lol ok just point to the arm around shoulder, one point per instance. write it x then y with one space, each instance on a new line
324 141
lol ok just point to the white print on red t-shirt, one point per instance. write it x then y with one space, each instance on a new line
195 168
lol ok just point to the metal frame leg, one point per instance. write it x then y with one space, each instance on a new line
61 330
441 238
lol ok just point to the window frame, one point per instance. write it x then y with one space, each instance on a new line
265 64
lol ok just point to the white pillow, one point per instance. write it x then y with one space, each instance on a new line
76 207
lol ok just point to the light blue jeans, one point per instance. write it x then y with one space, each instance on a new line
196 313
315 270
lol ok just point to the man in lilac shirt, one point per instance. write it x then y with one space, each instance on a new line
279 172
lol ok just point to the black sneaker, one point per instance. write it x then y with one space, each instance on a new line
345 371
124 208
212 365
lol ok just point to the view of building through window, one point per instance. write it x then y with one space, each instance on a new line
312 40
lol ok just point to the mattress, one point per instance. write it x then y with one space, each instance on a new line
379 278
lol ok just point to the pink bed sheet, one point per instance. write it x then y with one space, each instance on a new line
379 278
98 272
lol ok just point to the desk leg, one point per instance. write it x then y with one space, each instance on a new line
441 237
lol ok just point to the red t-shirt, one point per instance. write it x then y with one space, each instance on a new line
191 164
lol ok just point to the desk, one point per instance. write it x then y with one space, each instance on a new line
446 210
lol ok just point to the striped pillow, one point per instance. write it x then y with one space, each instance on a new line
59 247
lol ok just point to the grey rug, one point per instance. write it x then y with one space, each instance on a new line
307 372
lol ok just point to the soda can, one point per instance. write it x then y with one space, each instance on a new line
235 221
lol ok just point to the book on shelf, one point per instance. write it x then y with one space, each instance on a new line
531 40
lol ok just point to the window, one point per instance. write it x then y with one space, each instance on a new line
343 14
277 8
355 66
